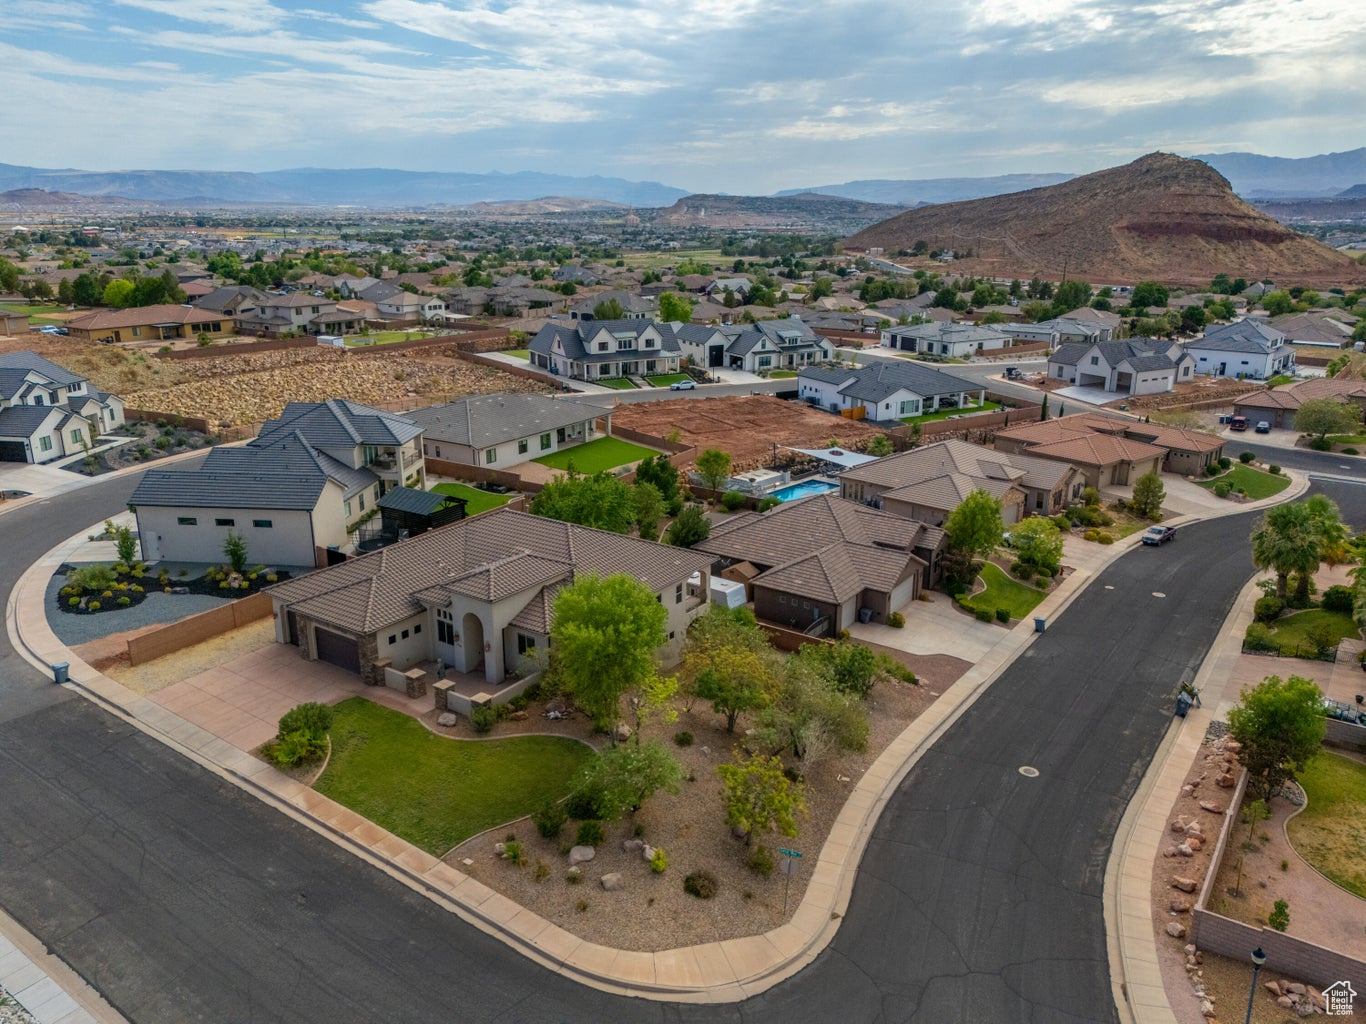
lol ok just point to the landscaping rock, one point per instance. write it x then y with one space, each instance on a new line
1180 906
1210 807
612 882
1176 929
1232 747
574 873
1286 1002
622 732
632 845
1184 884
1192 843
1179 825
581 855
1206 1008
448 718
518 716
1190 949
499 849
1274 988
1295 989
1184 850
1226 781
647 853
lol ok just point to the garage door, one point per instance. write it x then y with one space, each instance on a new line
13 451
338 650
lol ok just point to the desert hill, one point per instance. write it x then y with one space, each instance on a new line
1161 217
807 211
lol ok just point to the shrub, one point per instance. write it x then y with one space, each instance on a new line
1002 614
518 703
484 718
1246 457
1258 638
659 863
271 577
1269 608
1320 444
955 587
73 602
1225 462
896 620
93 606
983 614
683 738
541 871
549 818
137 588
312 718
1337 599
1105 538
512 851
1350 451
761 861
1090 535
573 876
769 502
1274 470
294 748
701 884
1021 570
732 500
1221 489
124 602
1090 496
585 804
1062 522
1279 918
591 833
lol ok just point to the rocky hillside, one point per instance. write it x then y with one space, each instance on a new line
805 212
1161 217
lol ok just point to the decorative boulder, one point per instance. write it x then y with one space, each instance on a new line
632 845
612 882
1210 807
1176 930
622 732
1184 884
647 853
581 855
447 718
518 716
1180 906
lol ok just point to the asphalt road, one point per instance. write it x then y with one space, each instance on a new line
979 899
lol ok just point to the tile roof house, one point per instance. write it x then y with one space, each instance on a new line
1244 349
232 301
1278 405
604 349
755 348
960 341
299 311
826 563
1315 328
476 595
503 430
164 322
1135 366
47 412
929 482
1098 446
577 274
886 389
634 307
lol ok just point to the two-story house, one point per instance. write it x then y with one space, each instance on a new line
1135 366
498 431
406 305
887 389
299 311
49 413
1246 349
603 349
755 348
633 306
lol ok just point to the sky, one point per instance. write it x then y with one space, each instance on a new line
737 96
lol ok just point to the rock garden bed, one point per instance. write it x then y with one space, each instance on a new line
93 589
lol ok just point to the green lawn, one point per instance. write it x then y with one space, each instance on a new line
596 456
1003 592
520 353
1279 379
616 384
782 373
1253 482
41 309
437 792
1291 633
476 501
944 414
1330 833
663 380
1348 439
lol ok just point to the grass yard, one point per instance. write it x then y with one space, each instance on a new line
1002 592
596 456
1330 833
1291 633
1279 379
476 501
663 380
782 373
944 414
921 358
41 309
520 353
616 384
1358 440
437 792
1254 483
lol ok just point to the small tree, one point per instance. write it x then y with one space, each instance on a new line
1038 542
880 445
688 528
730 663
125 544
1324 416
674 308
235 551
609 309
602 500
713 466
649 509
623 777
759 797
1149 494
1280 725
1279 918
974 528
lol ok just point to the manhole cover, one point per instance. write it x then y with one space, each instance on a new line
1029 772
1158 593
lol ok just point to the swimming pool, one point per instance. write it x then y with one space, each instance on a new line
803 490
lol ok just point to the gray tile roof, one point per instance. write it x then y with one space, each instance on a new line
20 421
574 335
880 378
15 368
482 421
1250 336
339 423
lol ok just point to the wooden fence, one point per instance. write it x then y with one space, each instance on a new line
172 418
194 629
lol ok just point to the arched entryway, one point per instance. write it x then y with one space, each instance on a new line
472 641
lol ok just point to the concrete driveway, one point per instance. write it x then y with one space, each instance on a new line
934 627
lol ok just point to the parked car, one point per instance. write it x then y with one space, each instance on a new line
1343 712
1238 423
1263 427
1158 534
683 385
49 329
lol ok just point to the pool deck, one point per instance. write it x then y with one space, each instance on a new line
803 488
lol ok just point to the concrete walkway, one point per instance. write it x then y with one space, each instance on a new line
49 990
712 972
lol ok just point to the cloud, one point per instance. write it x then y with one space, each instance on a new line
239 15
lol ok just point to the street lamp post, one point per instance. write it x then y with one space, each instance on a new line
1258 958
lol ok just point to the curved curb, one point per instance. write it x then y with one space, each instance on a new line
726 971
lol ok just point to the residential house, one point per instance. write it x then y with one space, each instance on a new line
737 286
959 341
1094 444
377 292
1316 328
825 563
384 443
232 301
887 390
633 306
302 312
577 274
500 431
406 306
928 483
1136 366
349 286
477 595
47 412
755 348
1189 452
603 349
1243 349
165 322
1277 406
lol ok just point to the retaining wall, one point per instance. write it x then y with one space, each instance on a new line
195 629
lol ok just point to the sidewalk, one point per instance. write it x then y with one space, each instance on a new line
48 990
724 971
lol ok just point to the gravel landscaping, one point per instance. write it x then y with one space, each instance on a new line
12 1013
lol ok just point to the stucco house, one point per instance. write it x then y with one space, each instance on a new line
1278 406
499 431
299 311
959 341
165 322
1135 366
602 349
1096 445
1244 348
47 412
755 348
633 306
477 595
886 389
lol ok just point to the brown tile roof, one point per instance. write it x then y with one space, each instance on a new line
1046 432
954 456
497 553
141 316
1277 398
1174 438
1327 387
1098 450
950 490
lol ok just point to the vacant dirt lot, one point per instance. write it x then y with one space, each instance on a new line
746 426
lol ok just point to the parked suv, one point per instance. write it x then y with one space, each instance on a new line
1238 423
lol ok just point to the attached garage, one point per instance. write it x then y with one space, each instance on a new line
13 451
335 649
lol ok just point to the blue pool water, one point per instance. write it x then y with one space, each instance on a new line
803 490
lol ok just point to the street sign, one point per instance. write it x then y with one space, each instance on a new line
788 853
788 867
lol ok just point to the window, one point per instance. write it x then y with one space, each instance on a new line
392 639
545 442
602 346
225 522
1095 360
524 644
137 331
187 521
491 455
445 631
678 594
404 634
522 446
348 510
45 444
263 524
361 498
417 628
76 436
560 435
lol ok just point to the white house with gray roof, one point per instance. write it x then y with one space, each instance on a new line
603 349
768 345
1245 349
47 412
887 390
1134 366
499 431
633 306
959 341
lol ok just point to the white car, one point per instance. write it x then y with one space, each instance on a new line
683 385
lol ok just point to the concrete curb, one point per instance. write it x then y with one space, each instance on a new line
725 971
49 990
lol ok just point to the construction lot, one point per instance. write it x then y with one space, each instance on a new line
746 426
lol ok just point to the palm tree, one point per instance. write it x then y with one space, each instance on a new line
1286 540
1333 533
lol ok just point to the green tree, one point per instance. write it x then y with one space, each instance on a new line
1149 293
624 776
608 309
850 668
1071 295
713 466
759 797
674 308
1286 540
648 504
729 662
125 544
66 292
604 631
974 528
809 716
689 527
1278 303
880 446
235 551
1149 494
86 290
602 500
1281 726
1038 542
1324 416
663 474
119 293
